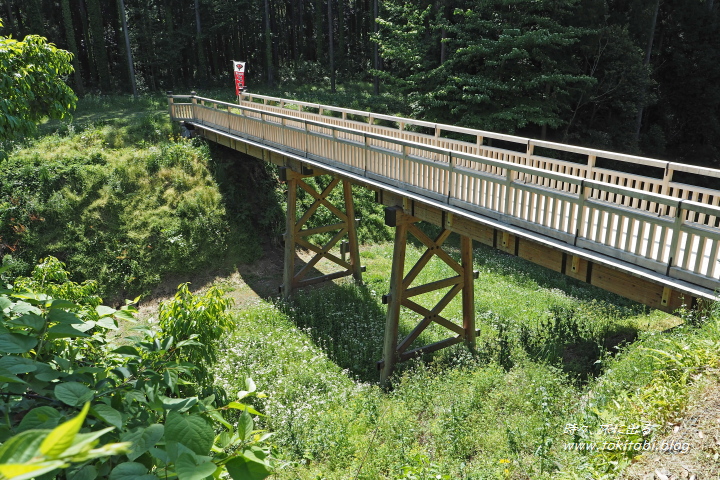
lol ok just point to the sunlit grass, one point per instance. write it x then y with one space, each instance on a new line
547 355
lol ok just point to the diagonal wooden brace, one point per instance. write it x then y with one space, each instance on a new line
296 235
401 292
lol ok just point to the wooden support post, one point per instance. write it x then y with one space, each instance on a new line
401 293
290 237
392 320
353 245
296 233
468 292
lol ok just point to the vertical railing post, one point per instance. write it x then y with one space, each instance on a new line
509 178
451 175
667 178
529 152
171 104
675 242
580 217
366 149
193 107
591 167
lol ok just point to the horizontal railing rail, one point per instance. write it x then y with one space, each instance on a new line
665 226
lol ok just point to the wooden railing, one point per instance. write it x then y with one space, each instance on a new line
647 220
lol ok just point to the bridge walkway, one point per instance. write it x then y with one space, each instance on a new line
644 228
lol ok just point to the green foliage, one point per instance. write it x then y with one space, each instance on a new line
37 452
31 84
509 64
202 319
140 398
121 200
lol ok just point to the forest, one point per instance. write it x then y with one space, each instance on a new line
637 76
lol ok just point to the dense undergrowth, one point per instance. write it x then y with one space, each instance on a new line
122 200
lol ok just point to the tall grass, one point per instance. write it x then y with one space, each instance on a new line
550 353
120 199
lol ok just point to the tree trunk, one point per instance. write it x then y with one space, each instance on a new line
72 46
202 64
34 17
341 33
174 72
331 49
318 31
11 19
131 68
97 41
268 46
648 52
376 53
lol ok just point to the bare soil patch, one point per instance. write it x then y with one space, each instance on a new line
698 432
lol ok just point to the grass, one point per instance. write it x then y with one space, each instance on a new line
120 198
551 352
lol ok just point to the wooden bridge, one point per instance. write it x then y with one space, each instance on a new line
635 226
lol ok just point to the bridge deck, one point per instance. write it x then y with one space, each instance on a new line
567 198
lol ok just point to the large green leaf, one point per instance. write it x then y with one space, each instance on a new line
103 310
44 417
108 322
31 320
142 439
107 414
88 472
22 447
7 377
24 471
179 404
188 469
249 466
19 364
24 307
5 302
242 406
63 436
62 330
16 343
131 471
193 431
62 316
73 393
84 442
60 303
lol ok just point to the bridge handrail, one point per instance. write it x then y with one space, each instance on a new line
637 193
666 165
665 220
530 170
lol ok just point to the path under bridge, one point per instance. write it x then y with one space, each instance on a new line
642 228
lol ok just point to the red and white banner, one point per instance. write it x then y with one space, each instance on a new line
239 68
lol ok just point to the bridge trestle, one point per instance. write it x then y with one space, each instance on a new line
401 292
297 236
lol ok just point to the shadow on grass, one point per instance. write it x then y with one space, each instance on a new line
346 321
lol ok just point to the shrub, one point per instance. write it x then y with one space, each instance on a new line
139 399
